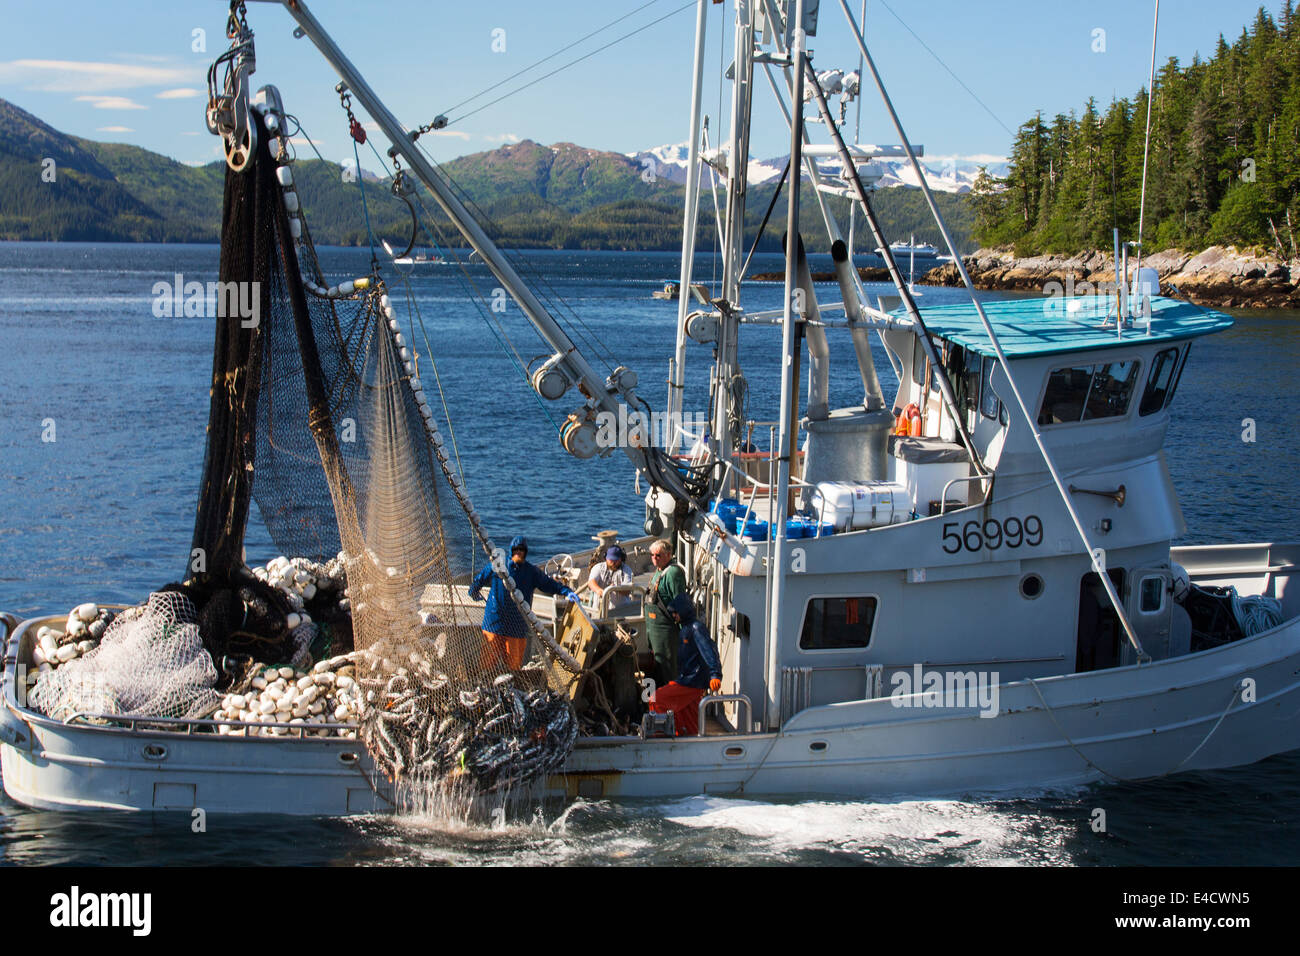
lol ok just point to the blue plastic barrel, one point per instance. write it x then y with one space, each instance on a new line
727 509
755 529
796 527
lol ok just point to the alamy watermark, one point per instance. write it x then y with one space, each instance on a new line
636 429
926 688
220 300
80 909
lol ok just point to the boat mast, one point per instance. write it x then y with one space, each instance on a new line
690 222
857 131
738 157
787 433
727 366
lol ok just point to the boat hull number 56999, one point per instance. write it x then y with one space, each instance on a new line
992 534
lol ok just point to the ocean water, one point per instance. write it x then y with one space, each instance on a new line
105 511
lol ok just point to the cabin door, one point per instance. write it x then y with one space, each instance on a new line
1100 636
1150 609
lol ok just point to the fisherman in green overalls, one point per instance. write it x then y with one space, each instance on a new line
662 631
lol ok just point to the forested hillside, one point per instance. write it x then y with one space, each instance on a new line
1224 161
529 196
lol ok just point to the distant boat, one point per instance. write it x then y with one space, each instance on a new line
924 250
911 250
673 289
421 259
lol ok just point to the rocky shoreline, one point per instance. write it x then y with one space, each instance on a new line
1220 277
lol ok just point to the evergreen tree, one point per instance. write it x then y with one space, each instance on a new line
1223 166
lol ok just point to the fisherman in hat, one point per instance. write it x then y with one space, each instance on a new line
698 669
613 571
504 629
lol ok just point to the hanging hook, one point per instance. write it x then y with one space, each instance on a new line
401 190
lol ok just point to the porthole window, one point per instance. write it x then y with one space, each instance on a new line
1031 586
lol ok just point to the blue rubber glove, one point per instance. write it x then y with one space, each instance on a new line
571 594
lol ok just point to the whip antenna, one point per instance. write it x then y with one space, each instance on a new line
1146 146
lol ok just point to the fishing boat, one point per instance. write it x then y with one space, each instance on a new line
421 259
913 249
672 290
965 588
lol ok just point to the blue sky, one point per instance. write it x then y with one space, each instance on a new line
128 73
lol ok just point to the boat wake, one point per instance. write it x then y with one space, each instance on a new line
703 830
913 832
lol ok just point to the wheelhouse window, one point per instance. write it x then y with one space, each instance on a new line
919 364
1088 392
1178 376
839 622
1160 382
990 406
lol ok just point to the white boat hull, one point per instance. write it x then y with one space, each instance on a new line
1229 706
1129 723
85 768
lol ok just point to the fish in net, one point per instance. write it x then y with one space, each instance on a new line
319 416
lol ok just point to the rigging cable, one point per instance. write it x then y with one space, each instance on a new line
884 4
549 294
503 338
560 69
518 73
766 216
554 298
413 309
358 135
476 297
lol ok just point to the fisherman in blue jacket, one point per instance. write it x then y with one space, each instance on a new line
503 626
698 669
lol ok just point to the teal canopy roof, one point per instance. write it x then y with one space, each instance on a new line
1055 324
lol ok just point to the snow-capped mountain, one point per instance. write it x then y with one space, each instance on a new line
669 163
951 174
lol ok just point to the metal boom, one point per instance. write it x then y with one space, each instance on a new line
607 395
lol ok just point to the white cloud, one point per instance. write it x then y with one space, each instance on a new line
114 129
183 93
111 102
454 133
78 76
503 138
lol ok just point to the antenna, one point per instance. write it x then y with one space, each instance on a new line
1146 146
